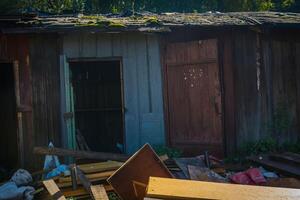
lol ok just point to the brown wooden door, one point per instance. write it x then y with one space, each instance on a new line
194 97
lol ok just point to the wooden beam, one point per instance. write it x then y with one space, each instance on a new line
99 192
166 188
100 167
53 190
79 154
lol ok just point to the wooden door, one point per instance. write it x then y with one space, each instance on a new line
194 97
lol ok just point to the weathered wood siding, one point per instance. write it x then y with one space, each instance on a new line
266 71
141 75
44 61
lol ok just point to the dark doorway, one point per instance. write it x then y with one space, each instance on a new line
8 118
98 103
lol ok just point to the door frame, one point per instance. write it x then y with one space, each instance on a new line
19 115
71 133
163 50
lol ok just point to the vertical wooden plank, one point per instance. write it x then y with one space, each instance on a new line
19 114
132 118
229 94
67 104
71 45
88 45
104 45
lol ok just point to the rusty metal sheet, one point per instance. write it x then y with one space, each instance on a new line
131 180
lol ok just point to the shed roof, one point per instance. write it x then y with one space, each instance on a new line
146 21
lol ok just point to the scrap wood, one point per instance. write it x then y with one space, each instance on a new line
99 192
184 162
69 192
288 158
100 166
285 168
164 157
166 188
130 180
84 181
204 174
98 176
53 190
79 154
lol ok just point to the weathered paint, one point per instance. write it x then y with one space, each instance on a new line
140 58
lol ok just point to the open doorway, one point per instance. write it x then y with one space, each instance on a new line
8 118
98 103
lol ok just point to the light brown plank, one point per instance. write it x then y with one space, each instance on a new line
166 188
53 190
99 192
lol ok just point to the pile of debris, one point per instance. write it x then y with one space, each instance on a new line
145 175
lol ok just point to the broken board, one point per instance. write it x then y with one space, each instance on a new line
130 180
282 167
165 188
53 190
99 192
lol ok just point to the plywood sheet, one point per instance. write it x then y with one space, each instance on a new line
131 180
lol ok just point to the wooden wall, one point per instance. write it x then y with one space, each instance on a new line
44 62
265 70
141 75
259 70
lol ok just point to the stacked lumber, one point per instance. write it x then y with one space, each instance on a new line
91 181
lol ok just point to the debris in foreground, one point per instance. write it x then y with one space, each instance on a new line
166 188
17 187
130 181
285 164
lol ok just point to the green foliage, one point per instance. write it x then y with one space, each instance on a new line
171 152
281 120
266 145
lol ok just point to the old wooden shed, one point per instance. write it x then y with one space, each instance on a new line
196 82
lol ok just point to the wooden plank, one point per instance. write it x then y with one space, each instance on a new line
165 188
130 181
100 167
98 176
79 154
99 192
286 158
85 181
69 192
53 190
265 161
